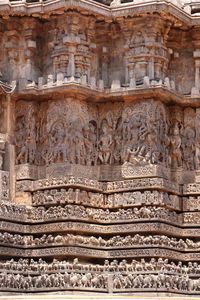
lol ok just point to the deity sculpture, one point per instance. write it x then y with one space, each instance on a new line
175 145
105 142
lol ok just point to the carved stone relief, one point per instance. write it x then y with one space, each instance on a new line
25 132
82 197
145 129
135 134
100 142
4 185
118 276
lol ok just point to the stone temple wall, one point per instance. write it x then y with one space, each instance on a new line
100 146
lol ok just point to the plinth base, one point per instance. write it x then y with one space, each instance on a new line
75 295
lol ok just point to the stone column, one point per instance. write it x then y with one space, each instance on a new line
132 75
195 89
197 68
10 149
105 69
197 125
71 65
151 69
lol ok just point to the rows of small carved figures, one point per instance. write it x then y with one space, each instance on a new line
145 133
40 266
98 242
154 274
78 212
100 186
19 212
77 196
14 211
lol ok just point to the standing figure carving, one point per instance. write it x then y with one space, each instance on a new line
90 143
105 143
77 140
188 139
197 126
175 145
57 151
25 136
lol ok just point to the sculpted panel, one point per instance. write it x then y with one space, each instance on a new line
118 276
175 133
63 196
79 212
83 197
65 134
115 242
189 139
4 185
70 133
137 198
145 129
142 133
197 144
110 134
191 203
25 132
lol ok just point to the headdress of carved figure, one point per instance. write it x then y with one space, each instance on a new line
176 127
136 120
104 126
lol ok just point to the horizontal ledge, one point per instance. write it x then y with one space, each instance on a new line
50 7
122 94
99 248
157 183
74 251
97 229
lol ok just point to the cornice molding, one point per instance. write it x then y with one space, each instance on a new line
48 8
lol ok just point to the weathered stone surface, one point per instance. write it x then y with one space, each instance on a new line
100 146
